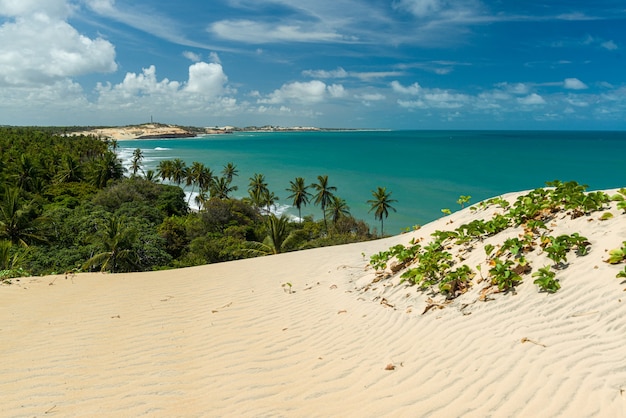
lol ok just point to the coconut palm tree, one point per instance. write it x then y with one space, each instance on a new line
116 241
278 235
108 167
257 189
19 222
268 200
229 171
198 174
324 194
165 169
381 204
337 208
135 164
221 188
179 171
151 176
201 199
70 171
299 194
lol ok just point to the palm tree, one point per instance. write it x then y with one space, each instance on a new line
165 169
106 168
9 259
151 176
135 164
277 232
278 235
324 194
221 188
230 170
26 173
257 189
19 222
201 199
70 170
269 199
117 242
381 205
179 171
337 208
299 194
198 174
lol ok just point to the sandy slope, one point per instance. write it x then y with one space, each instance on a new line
230 340
134 132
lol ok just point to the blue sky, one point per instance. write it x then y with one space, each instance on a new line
399 64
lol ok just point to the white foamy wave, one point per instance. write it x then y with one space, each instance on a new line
162 149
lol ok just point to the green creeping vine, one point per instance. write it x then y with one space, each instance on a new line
616 256
545 280
433 266
503 275
403 255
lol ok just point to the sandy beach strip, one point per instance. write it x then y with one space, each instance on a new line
311 333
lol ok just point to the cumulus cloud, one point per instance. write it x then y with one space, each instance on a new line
192 56
574 84
40 47
18 8
207 79
338 73
308 92
413 89
371 97
514 88
531 99
337 91
609 45
139 94
213 57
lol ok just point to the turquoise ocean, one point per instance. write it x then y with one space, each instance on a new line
426 171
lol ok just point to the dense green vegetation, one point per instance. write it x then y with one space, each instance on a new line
67 204
433 267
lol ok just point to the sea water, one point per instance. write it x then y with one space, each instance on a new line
426 171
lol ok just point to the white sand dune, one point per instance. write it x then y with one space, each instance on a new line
230 339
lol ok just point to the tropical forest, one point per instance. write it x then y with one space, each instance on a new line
68 204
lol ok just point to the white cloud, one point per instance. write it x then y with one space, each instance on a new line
213 57
254 32
610 45
308 92
574 101
207 82
206 79
192 56
336 91
338 73
531 99
515 88
445 99
40 48
421 8
574 84
409 104
19 8
451 10
341 73
413 89
371 97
